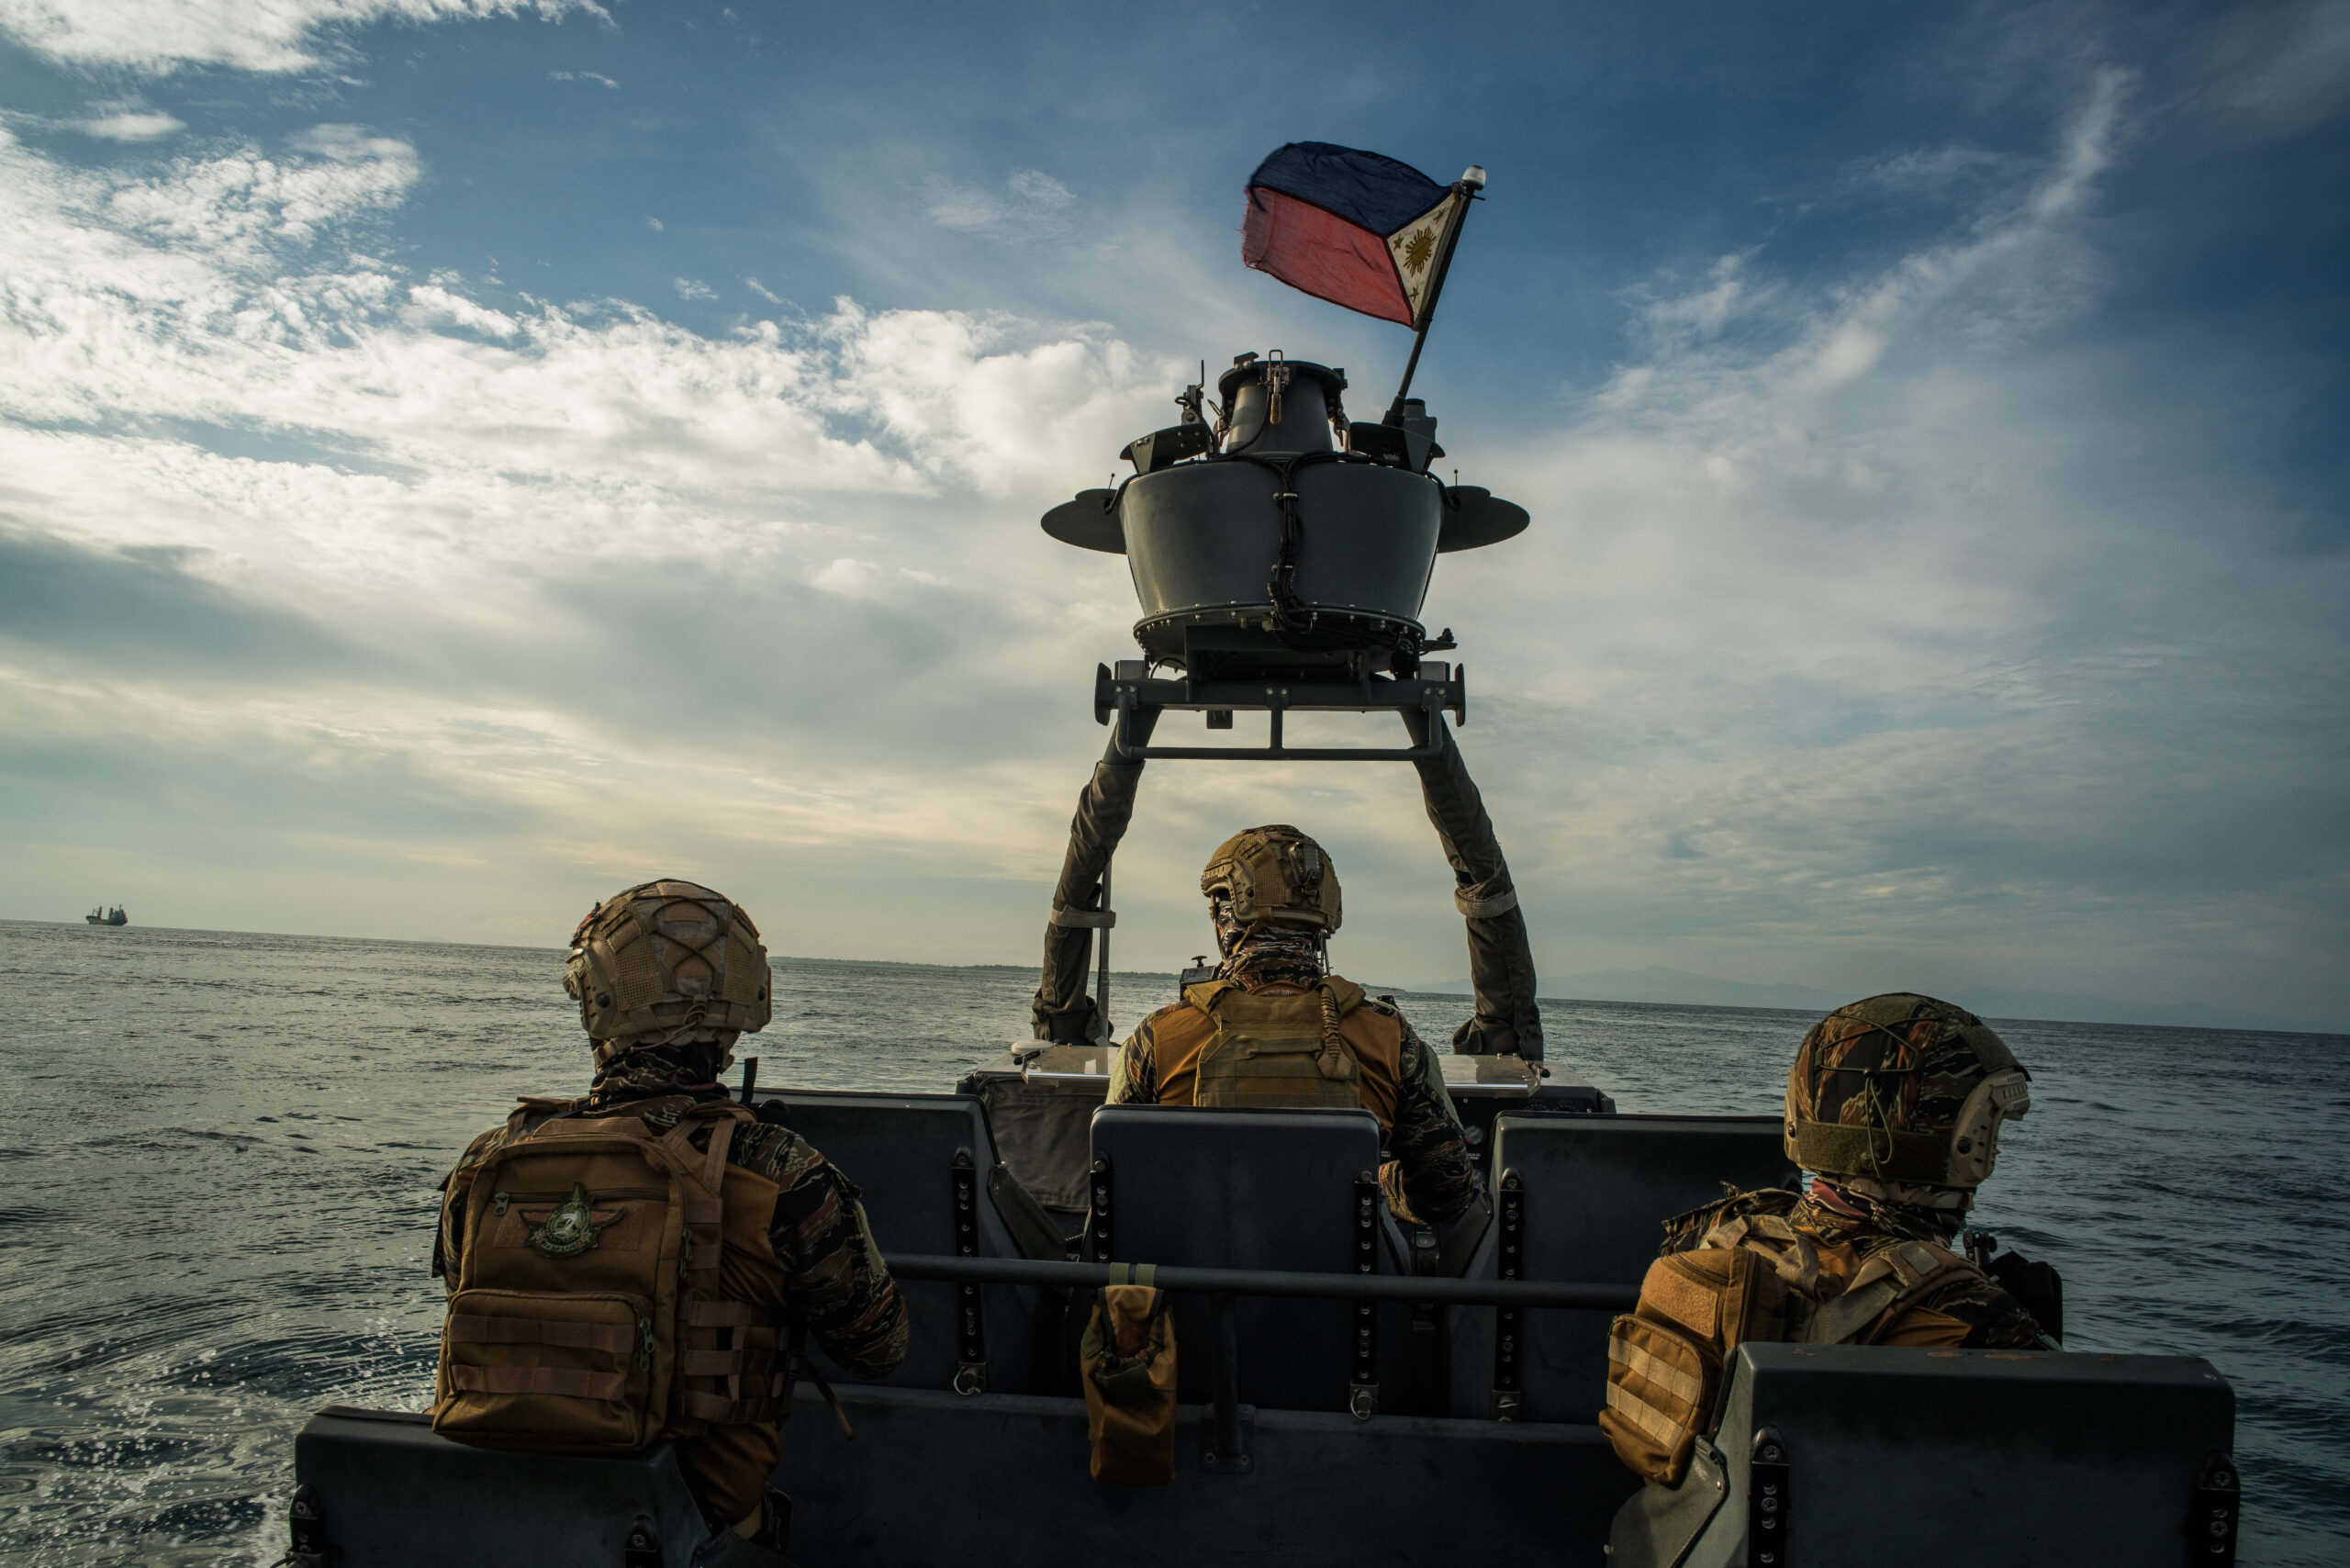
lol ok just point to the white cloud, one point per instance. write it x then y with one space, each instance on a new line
1033 206
763 291
692 288
149 125
277 36
596 76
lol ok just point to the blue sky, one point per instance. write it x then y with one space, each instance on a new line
456 458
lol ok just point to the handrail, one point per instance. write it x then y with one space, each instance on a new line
1418 1288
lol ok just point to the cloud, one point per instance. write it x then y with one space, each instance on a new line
763 291
596 76
2279 70
1032 204
406 521
132 126
692 290
274 36
1878 626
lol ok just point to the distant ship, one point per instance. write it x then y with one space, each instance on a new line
102 915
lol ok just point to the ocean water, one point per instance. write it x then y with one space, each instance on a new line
217 1169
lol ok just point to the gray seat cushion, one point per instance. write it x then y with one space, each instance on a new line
1597 1191
1898 1455
901 1149
1218 1189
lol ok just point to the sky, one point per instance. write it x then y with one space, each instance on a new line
461 457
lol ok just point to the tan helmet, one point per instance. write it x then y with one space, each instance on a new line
666 958
1904 1090
1275 873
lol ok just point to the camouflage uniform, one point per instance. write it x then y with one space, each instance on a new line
1424 1169
835 1279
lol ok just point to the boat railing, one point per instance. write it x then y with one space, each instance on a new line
1228 1446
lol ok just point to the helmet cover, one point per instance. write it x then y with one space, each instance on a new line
1275 873
668 959
1904 1090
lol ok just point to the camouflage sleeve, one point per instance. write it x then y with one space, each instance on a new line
1972 1315
1433 1167
452 1220
839 1285
1133 1075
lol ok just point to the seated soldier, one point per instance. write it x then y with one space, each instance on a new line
1274 1028
1894 1106
642 1264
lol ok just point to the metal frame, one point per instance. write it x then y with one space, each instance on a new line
1570 1296
1133 699
971 1334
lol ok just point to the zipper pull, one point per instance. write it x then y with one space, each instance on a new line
498 1204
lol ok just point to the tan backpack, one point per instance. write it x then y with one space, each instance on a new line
1752 1278
587 1314
1278 1050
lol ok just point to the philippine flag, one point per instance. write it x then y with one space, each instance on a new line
1355 229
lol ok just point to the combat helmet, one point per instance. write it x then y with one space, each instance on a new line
669 959
1275 872
1903 1090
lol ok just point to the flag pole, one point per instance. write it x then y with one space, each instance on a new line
1466 187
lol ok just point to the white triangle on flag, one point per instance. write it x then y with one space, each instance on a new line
1417 247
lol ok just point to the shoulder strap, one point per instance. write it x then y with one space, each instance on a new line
1204 996
1889 1279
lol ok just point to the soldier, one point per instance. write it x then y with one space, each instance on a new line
1894 1106
1313 1038
642 1263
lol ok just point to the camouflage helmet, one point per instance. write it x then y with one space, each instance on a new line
667 958
1904 1090
1275 872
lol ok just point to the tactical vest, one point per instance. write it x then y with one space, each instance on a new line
1270 1051
1756 1277
604 1295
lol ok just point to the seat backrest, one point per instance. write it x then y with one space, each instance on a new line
391 1493
902 1149
1896 1455
1225 1189
1595 1191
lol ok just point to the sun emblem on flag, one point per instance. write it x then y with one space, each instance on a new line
1417 250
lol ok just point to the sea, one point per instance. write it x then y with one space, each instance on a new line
218 1162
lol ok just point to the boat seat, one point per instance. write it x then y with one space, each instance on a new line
1596 1189
1225 1189
391 1494
902 1149
2000 1458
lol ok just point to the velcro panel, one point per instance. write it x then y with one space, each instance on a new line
1872 1151
1679 1289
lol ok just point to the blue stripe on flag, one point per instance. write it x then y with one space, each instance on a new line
1366 188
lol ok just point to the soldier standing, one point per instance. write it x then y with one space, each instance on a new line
1275 1028
1894 1106
642 1263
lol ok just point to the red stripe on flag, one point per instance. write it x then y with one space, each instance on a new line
1311 249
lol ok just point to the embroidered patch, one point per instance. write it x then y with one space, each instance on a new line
572 1227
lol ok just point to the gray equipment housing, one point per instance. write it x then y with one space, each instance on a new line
1282 560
